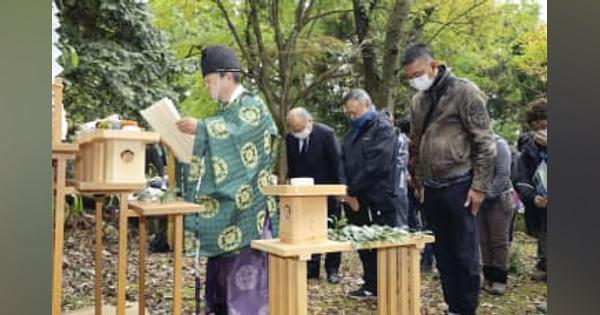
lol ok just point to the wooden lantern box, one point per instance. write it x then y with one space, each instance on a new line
303 211
112 160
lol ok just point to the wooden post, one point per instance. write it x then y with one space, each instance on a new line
98 276
122 267
403 281
59 219
172 182
273 287
142 266
177 261
414 280
392 265
382 277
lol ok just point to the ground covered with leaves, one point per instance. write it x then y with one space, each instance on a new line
78 286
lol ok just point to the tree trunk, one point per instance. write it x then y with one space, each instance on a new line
391 55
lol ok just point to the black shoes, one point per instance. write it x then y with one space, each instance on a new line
333 278
362 293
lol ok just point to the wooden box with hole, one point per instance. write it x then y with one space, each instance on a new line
112 160
303 211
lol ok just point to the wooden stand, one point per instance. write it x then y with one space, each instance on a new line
61 153
398 268
175 210
122 260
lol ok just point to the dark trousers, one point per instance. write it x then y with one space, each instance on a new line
332 260
371 215
456 245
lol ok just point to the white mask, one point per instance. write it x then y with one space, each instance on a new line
215 93
302 134
422 83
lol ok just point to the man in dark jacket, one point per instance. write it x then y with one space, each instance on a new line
453 153
370 151
313 150
534 197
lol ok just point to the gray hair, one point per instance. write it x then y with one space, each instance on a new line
301 111
358 95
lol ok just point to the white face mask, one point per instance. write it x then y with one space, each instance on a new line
422 83
214 94
302 134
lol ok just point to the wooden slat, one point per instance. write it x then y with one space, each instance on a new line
279 286
64 148
382 277
142 267
122 265
302 284
177 272
299 191
104 188
59 219
170 208
276 247
98 254
273 289
108 134
392 292
291 287
414 297
403 280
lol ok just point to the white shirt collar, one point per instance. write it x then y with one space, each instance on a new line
236 93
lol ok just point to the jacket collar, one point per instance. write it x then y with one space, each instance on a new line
441 83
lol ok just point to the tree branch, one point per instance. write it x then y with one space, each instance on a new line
327 75
454 19
233 31
325 14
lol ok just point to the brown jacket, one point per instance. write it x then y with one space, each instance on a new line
459 137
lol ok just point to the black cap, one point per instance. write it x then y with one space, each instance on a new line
219 59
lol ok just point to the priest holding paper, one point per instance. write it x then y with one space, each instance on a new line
230 164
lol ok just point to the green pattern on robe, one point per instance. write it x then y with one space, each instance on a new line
237 145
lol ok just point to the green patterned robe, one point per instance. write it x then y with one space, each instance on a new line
233 153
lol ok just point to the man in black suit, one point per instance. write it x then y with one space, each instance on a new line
313 150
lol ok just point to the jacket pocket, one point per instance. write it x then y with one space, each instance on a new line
446 149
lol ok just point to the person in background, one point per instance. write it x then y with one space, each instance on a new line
313 150
533 152
453 153
495 219
370 150
414 203
403 175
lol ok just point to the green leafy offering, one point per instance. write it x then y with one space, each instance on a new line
365 235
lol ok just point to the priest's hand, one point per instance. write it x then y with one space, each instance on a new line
187 125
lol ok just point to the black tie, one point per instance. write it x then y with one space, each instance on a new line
304 143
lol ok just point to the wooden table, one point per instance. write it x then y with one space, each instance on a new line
99 192
175 210
61 153
398 273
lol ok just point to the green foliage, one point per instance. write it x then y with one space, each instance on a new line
516 261
115 61
366 235
74 206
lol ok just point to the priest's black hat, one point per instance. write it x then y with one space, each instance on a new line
219 59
